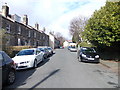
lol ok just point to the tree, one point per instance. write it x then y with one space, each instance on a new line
60 37
3 39
76 28
103 28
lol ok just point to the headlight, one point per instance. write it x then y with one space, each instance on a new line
26 61
97 56
83 55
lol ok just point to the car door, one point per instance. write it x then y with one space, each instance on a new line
1 59
5 66
38 56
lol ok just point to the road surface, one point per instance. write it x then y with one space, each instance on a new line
62 70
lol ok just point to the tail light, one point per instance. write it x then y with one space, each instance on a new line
13 64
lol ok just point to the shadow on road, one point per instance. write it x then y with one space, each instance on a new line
45 61
52 73
90 62
21 77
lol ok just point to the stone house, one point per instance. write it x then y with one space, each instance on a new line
20 33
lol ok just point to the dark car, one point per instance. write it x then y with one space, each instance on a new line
88 54
8 68
45 51
50 50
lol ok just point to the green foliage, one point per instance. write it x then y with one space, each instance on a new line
75 37
103 28
85 44
3 39
12 50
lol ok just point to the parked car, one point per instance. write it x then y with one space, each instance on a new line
50 50
73 49
8 68
68 47
61 47
88 54
28 58
45 51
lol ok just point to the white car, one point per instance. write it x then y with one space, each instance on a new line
73 49
28 58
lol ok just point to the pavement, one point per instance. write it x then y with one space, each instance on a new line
112 65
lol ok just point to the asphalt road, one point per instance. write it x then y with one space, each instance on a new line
62 70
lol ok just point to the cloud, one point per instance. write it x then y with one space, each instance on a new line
53 14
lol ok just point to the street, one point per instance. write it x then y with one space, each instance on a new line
63 70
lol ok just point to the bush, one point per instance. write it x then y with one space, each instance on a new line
13 50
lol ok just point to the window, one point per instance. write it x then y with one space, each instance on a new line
34 43
19 42
29 42
19 30
37 52
26 42
29 34
8 28
43 37
26 52
34 34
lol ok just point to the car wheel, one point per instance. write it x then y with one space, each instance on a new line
42 59
11 77
79 59
35 64
45 56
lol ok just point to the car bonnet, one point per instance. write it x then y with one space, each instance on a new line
18 59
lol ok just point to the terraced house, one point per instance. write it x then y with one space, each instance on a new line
20 33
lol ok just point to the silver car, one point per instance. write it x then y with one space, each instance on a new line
45 51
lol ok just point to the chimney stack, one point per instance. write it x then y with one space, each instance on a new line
5 10
37 26
25 20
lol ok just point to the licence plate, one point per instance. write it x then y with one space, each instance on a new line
22 64
91 58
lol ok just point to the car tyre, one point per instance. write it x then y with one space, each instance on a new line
11 77
79 59
42 59
35 64
45 56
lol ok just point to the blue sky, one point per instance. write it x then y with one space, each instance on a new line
55 15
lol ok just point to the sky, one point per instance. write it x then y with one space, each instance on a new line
54 15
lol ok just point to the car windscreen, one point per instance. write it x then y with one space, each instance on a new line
73 47
41 49
88 50
26 52
49 48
